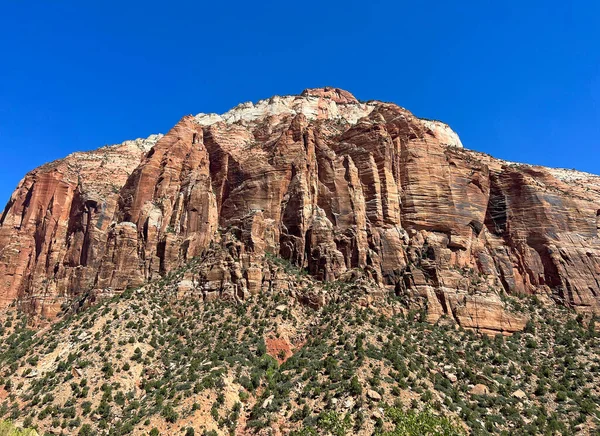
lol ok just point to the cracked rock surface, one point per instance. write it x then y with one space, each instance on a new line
329 183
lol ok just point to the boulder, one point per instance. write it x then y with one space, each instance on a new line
373 395
479 389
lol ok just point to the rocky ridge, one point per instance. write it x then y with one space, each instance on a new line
331 184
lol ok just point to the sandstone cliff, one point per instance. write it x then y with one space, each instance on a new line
334 185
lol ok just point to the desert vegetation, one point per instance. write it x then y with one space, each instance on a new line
150 361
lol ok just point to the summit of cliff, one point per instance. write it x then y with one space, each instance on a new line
317 104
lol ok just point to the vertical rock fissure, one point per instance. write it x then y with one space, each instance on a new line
7 209
26 204
496 216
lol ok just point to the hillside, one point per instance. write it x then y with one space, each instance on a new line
157 357
307 264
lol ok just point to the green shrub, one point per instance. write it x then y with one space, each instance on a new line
169 414
413 423
8 429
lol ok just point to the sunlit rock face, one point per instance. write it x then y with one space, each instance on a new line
331 184
55 227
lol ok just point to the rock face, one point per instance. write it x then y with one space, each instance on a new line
55 227
333 185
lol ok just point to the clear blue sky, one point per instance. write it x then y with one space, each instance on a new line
517 79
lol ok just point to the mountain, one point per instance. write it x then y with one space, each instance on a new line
305 265
329 183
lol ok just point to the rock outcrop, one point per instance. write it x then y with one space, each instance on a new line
329 183
55 227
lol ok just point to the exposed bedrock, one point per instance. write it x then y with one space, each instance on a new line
320 179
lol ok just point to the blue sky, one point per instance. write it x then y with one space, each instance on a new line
518 79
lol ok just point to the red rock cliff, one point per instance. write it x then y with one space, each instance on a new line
328 182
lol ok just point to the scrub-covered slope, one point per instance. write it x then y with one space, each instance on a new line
162 360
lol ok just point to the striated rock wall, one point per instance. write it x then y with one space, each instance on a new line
54 229
329 183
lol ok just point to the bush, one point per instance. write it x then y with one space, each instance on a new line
333 423
85 430
7 428
169 414
414 423
355 387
